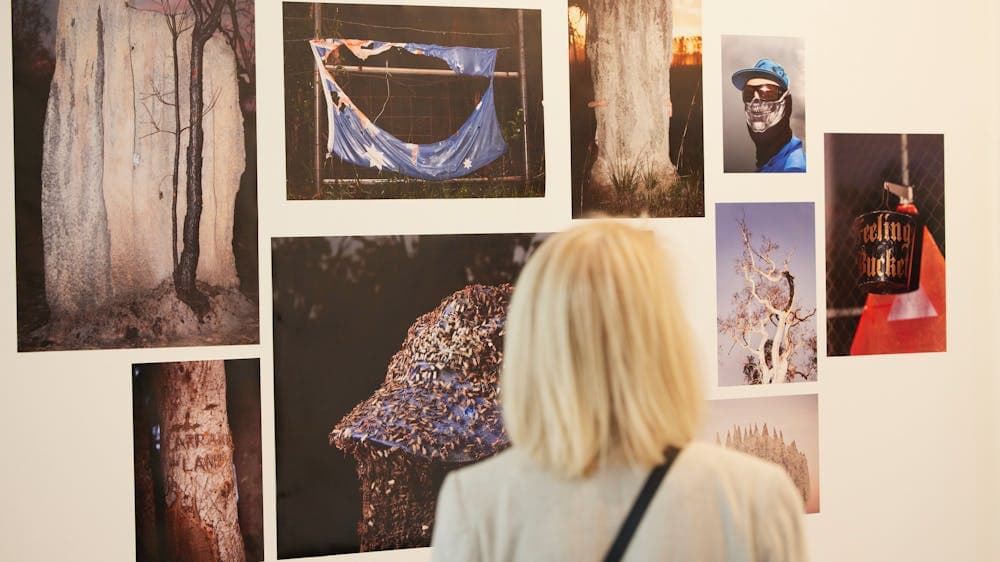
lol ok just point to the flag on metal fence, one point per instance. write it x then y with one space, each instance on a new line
356 139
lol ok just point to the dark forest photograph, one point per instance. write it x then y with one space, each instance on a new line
391 102
636 110
197 447
387 351
135 173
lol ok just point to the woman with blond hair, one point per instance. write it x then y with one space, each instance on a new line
601 399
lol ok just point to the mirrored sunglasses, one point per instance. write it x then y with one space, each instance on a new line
766 92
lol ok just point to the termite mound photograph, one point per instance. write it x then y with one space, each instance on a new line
135 173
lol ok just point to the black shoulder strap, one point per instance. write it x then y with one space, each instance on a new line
642 502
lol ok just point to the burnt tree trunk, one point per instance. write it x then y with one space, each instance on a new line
630 44
175 176
206 22
196 452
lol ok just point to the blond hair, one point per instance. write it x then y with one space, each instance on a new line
598 362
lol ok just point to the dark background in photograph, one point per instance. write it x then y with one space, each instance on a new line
243 411
856 166
33 55
342 307
413 108
687 147
743 51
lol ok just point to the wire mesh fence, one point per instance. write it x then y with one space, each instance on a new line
856 167
427 109
414 106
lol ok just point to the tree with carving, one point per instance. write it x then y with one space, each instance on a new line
207 16
766 318
196 461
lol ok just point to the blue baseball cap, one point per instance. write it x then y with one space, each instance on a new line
765 68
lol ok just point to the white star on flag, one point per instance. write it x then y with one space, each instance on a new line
467 164
459 66
376 158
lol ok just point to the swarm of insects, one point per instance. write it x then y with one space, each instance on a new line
435 411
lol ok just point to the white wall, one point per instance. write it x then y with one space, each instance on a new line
908 444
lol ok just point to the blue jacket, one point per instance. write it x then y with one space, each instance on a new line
791 158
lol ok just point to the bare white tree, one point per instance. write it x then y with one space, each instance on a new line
766 321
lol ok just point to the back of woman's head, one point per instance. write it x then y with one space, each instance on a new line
597 361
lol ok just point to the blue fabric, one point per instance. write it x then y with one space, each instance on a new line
791 158
463 60
355 139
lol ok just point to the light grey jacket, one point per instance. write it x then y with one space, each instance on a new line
715 504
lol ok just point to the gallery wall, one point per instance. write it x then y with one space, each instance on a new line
907 445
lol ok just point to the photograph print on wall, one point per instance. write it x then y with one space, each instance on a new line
636 108
197 460
765 292
763 104
885 244
386 356
389 102
135 178
780 429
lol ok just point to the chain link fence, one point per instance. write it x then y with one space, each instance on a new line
856 167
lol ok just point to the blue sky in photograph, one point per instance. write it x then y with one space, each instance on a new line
791 226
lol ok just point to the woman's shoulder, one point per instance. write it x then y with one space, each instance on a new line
699 465
491 470
744 480
698 457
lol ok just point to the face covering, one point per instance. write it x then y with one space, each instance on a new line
776 128
762 115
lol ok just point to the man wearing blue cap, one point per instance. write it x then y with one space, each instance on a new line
768 106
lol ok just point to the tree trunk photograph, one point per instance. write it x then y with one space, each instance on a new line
198 487
631 89
636 107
